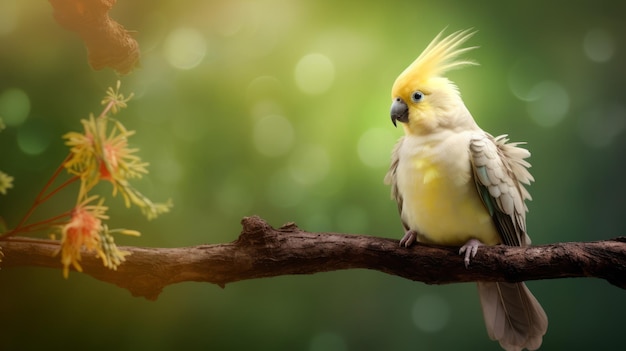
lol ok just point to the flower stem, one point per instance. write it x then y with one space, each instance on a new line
106 110
66 183
41 198
46 222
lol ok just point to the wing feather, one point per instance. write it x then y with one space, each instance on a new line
391 178
500 172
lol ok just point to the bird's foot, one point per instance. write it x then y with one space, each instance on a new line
410 236
469 249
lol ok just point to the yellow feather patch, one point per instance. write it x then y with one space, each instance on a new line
442 202
431 174
428 169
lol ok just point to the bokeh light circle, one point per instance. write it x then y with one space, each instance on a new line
327 341
14 106
8 16
184 48
273 135
33 137
309 164
598 45
550 104
374 147
314 74
431 313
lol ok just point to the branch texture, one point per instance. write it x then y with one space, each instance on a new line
262 251
108 43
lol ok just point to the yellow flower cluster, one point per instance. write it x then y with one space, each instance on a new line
85 230
82 231
99 152
6 182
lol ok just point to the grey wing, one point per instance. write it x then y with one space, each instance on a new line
392 179
500 173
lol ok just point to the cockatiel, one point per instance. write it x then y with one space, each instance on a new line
455 184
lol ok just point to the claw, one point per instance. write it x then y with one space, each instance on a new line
469 249
408 239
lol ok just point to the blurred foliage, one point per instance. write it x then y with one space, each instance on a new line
280 108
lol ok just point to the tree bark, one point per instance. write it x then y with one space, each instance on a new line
262 251
108 43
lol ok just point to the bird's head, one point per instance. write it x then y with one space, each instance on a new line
425 101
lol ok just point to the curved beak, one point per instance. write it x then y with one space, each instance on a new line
399 111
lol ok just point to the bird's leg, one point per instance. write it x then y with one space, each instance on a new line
469 249
410 236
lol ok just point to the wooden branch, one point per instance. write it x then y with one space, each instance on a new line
108 43
262 251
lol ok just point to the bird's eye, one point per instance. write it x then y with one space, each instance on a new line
417 96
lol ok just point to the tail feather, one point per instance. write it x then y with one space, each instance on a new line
513 316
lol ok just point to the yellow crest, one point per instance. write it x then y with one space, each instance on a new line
439 57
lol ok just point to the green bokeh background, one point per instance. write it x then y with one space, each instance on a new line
234 133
